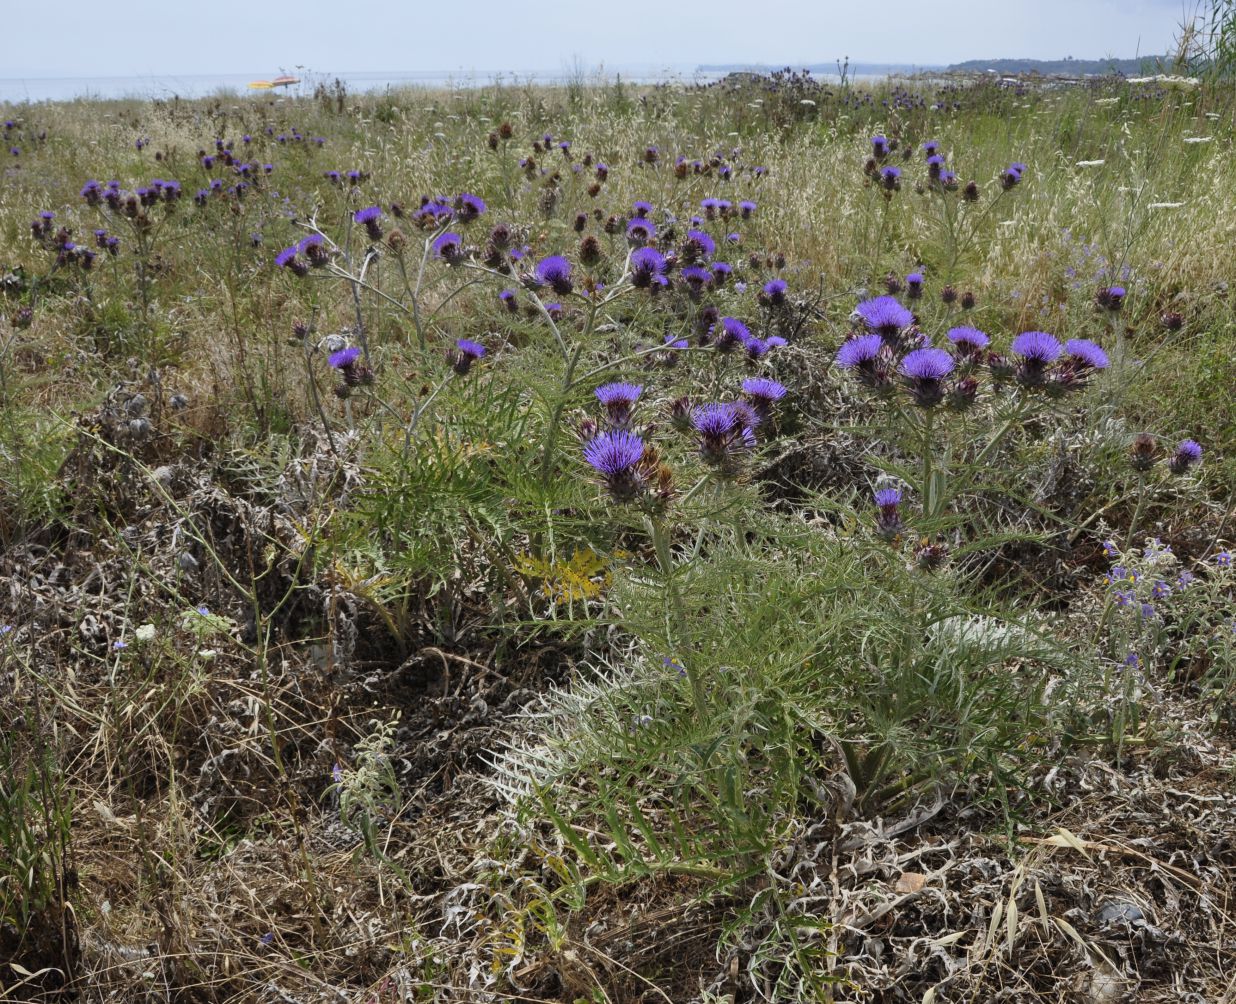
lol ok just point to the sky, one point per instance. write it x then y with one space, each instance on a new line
82 38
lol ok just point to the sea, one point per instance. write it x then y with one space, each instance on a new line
19 90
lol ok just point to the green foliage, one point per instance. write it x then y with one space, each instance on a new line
36 823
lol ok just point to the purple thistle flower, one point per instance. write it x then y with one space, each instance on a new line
640 208
641 230
914 285
879 146
891 178
647 268
774 292
696 279
888 523
465 353
859 352
746 208
507 296
885 316
1086 353
721 272
619 401
763 393
1188 454
468 207
733 333
344 358
555 272
1110 297
721 433
448 247
1037 349
925 370
969 341
698 245
313 247
287 258
369 218
616 456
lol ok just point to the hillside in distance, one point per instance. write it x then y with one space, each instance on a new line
1048 67
1066 67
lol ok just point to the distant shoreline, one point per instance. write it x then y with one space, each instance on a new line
22 90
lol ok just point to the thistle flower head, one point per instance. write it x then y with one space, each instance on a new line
647 267
1188 454
925 370
969 341
860 351
555 272
698 245
468 207
762 393
465 353
721 433
449 247
619 401
1086 354
344 358
616 457
641 230
1037 347
288 258
927 364
774 292
1038 350
733 332
884 316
